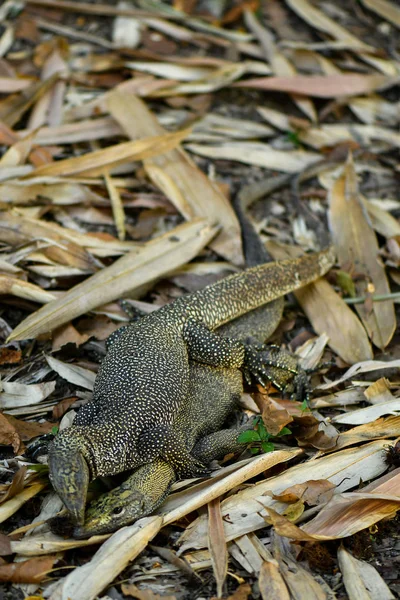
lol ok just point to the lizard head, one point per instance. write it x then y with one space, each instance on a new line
136 497
113 510
69 475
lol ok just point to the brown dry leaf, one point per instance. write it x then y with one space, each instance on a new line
217 544
97 162
382 221
28 429
309 431
312 492
131 590
179 178
16 486
241 593
361 579
322 86
274 415
61 408
271 582
131 271
356 243
9 435
330 315
386 10
32 570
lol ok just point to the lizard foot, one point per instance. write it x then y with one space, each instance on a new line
272 364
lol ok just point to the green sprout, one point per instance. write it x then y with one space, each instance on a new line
259 438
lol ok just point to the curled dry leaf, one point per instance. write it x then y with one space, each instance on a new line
312 492
33 570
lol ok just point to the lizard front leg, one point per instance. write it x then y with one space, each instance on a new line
259 362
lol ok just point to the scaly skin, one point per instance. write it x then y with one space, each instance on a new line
144 379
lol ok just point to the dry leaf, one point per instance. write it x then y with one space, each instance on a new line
179 178
356 244
271 582
131 590
217 544
322 86
33 570
385 9
361 579
127 273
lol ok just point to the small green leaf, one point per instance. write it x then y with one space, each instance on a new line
267 446
246 437
264 435
346 283
39 468
284 431
54 430
254 450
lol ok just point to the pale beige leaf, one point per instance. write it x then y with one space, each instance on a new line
80 131
179 178
246 509
23 192
361 367
21 394
361 580
24 289
378 429
72 373
87 581
116 205
96 162
381 220
322 86
356 243
279 62
369 413
385 9
131 271
11 506
379 391
271 582
217 544
257 153
8 85
330 315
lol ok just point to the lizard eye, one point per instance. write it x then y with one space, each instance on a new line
117 510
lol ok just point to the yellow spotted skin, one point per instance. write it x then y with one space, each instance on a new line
144 378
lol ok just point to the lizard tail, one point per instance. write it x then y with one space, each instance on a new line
242 292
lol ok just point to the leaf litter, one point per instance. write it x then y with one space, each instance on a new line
127 128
